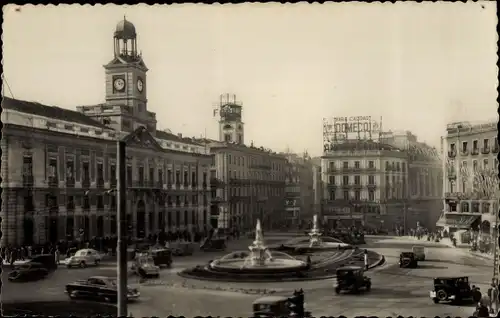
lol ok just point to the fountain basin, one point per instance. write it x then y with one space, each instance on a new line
240 262
301 245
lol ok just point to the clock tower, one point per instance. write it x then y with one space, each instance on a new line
230 123
126 84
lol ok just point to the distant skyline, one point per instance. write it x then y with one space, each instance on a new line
419 66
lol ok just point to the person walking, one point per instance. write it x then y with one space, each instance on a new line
57 255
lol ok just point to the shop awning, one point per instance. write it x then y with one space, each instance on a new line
457 221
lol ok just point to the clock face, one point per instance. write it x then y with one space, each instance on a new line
119 84
140 85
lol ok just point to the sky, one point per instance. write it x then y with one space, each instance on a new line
418 65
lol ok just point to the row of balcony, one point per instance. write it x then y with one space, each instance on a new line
53 182
351 185
361 170
86 206
474 152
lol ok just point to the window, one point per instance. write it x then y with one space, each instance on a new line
141 174
186 178
169 176
357 180
371 195
112 176
193 179
387 165
331 179
160 176
227 138
345 164
486 143
332 195
464 146
371 164
371 179
357 195
85 172
100 174
52 171
130 178
485 164
474 145
177 177
100 202
398 167
332 165
151 175
356 164
403 166
346 195
345 180
452 147
474 165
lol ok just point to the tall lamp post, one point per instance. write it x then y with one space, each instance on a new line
122 229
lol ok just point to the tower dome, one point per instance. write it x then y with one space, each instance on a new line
125 30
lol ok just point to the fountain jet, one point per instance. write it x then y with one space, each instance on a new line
315 234
259 253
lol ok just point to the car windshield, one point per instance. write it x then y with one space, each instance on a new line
81 253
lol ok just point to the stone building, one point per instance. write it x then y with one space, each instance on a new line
470 178
59 165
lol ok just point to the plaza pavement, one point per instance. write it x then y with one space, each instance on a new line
395 291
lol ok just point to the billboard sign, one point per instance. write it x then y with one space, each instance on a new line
338 130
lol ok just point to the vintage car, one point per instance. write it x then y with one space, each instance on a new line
419 252
182 248
408 260
456 289
99 288
84 258
213 244
48 261
161 256
144 266
277 306
352 279
28 272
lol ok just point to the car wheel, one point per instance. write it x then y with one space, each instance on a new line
97 262
82 264
441 295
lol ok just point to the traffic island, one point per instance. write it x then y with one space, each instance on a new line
320 270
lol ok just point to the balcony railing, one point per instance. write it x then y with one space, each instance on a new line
485 150
332 170
331 185
452 153
475 151
452 175
357 186
86 182
70 182
345 185
371 185
464 152
371 169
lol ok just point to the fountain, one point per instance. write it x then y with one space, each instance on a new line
260 264
315 242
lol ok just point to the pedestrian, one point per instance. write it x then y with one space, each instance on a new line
56 255
493 297
366 259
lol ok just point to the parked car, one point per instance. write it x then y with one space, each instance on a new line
143 265
84 258
352 279
28 272
407 260
456 289
280 306
100 288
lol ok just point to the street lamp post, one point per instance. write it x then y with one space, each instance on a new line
122 230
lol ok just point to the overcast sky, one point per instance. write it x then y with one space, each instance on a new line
419 66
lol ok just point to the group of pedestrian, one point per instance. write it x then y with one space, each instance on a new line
489 303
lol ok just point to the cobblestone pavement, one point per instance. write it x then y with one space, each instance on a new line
395 291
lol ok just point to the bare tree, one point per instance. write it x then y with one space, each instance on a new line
485 183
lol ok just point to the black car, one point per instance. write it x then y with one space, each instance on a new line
352 279
47 260
28 272
408 260
456 289
98 288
